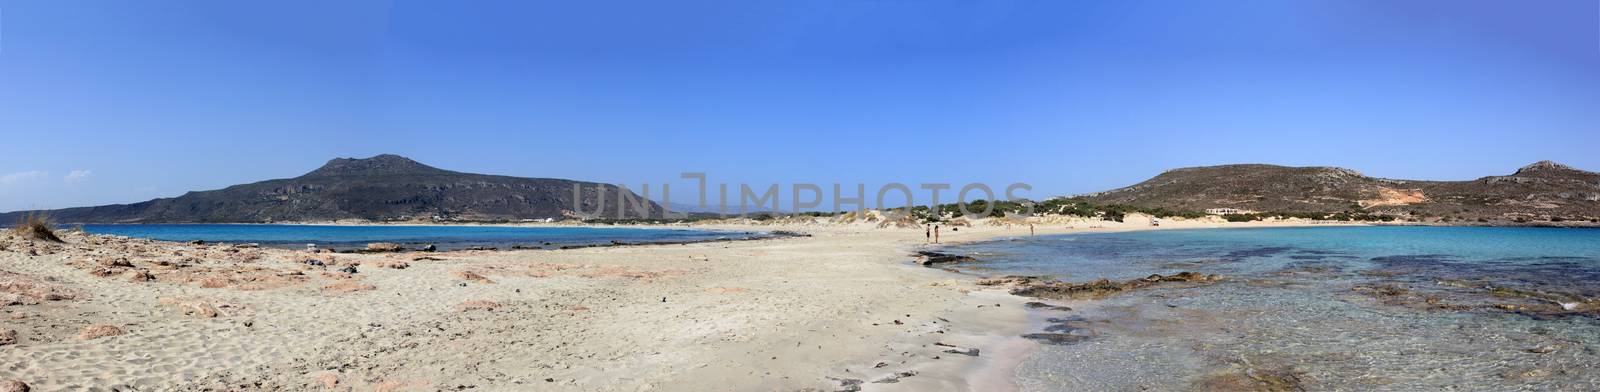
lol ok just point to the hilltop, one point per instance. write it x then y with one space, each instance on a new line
1543 191
380 188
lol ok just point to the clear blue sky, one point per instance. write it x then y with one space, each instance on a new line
122 101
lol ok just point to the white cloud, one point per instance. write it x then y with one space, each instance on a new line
21 176
76 176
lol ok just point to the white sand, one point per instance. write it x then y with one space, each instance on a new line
781 314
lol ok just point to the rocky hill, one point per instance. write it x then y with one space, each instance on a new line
1543 191
380 188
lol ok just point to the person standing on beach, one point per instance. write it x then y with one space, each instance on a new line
935 234
1030 229
927 234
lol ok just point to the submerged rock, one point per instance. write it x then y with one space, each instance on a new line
1059 339
1479 294
1009 280
1105 287
1041 305
1544 348
1253 379
1525 374
927 258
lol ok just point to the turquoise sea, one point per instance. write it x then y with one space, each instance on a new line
444 237
1324 308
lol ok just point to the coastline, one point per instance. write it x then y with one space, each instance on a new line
1005 337
845 305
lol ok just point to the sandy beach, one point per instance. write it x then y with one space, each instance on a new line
842 309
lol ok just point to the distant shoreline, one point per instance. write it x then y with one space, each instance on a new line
358 239
749 222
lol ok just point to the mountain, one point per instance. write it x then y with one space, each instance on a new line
380 188
1541 191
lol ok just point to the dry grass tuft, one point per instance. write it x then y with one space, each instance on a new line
36 226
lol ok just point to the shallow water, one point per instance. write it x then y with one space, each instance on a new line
1328 308
445 237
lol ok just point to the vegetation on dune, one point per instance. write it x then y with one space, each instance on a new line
1117 212
36 226
1110 212
1058 206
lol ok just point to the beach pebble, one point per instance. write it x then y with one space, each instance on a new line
472 276
348 287
212 283
99 331
847 384
13 386
348 269
140 276
384 247
8 299
953 349
478 305
8 337
894 378
972 352
328 380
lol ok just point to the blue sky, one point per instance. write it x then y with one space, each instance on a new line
119 101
